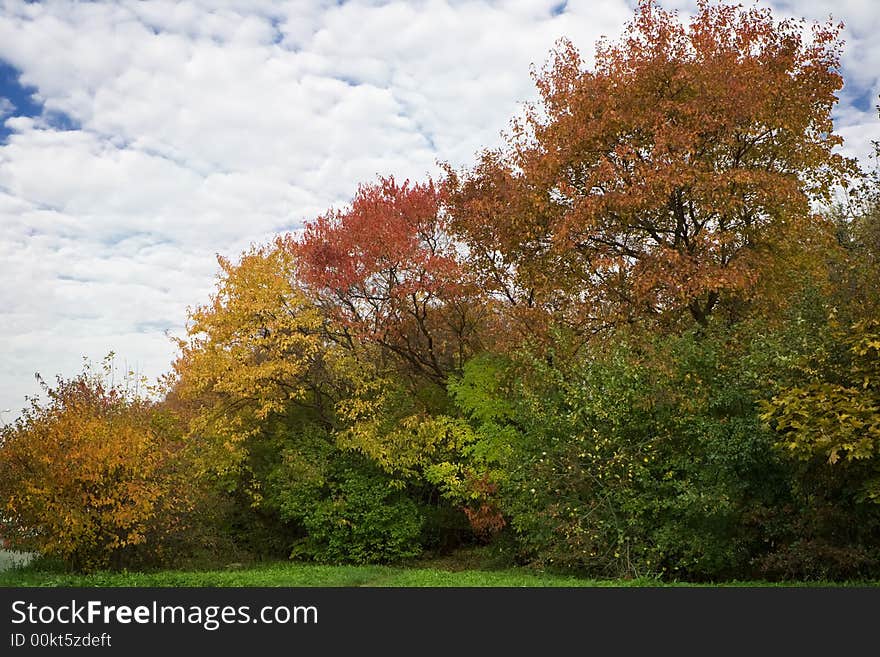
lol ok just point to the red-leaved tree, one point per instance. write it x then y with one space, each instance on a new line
386 272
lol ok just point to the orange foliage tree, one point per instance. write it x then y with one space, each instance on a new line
668 176
93 476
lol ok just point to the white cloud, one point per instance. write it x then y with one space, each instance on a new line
203 126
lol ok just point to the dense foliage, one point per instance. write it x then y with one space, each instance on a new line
640 339
95 475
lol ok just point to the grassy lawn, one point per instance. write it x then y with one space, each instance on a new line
299 574
291 574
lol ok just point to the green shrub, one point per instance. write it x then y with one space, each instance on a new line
362 519
338 504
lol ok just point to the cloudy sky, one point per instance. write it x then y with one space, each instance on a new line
139 139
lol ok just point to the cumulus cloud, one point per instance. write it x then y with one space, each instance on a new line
168 132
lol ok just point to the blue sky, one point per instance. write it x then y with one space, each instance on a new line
140 139
18 100
22 100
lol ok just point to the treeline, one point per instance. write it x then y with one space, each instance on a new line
642 338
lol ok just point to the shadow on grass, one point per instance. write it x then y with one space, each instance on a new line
443 572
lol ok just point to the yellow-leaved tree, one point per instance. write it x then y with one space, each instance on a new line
253 351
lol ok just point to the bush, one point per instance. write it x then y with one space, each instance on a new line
343 507
95 476
361 517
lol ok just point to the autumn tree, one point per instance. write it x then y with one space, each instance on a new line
93 476
267 394
250 386
668 176
387 272
830 418
253 352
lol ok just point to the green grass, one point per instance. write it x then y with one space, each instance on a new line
291 574
294 574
